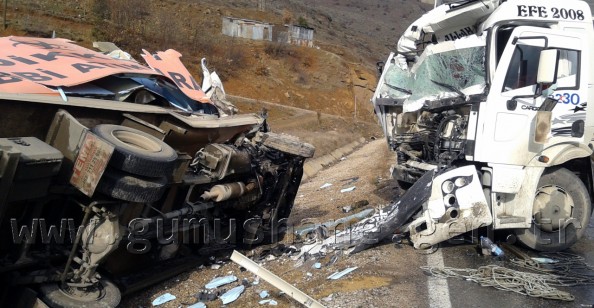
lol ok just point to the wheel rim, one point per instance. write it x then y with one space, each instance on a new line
136 141
553 206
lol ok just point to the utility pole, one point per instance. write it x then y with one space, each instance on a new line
5 4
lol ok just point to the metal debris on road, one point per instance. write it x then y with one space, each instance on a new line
301 232
325 185
232 295
220 281
348 189
163 299
270 302
274 280
340 274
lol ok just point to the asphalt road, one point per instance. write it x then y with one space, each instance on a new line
406 284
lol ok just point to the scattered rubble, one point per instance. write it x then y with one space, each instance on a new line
325 185
220 281
232 295
348 189
163 299
342 273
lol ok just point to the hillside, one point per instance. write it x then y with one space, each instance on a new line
350 36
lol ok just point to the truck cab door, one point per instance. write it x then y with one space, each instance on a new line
508 116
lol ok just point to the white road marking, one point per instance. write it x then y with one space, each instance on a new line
439 293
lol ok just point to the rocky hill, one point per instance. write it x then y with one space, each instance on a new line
333 77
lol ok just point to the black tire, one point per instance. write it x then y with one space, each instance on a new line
287 144
108 296
545 236
137 152
128 187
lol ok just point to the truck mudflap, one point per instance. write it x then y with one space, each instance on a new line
457 205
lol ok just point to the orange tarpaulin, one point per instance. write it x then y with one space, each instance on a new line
29 64
169 64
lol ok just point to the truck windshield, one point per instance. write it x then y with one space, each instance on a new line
437 75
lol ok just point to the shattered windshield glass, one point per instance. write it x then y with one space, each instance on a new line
398 82
437 75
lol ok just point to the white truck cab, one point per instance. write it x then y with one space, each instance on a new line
491 96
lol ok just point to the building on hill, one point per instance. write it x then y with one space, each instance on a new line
300 35
250 29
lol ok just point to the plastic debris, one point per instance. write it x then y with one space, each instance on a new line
270 302
270 258
325 185
256 281
232 295
317 265
339 275
545 260
220 281
264 294
163 299
490 248
198 305
309 274
328 298
215 266
348 189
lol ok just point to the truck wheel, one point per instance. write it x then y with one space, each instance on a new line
287 144
561 212
124 186
105 294
137 152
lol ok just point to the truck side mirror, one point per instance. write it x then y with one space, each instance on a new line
380 67
547 67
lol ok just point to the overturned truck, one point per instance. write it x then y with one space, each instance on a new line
485 106
115 175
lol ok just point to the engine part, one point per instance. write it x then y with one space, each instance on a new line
218 161
100 237
224 192
286 144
